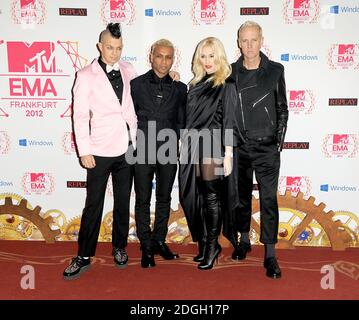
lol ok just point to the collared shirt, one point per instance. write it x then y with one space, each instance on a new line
160 87
115 79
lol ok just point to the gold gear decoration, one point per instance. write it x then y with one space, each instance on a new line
177 227
301 231
32 215
337 235
286 229
14 227
106 227
72 229
350 219
58 217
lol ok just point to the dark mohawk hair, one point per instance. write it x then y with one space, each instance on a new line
115 30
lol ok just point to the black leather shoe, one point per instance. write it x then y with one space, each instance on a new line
164 251
240 251
120 257
147 260
272 266
76 267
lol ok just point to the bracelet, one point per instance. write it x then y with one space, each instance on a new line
229 154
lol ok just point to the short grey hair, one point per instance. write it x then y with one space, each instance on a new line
249 24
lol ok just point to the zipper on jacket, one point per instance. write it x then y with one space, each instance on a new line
254 104
240 99
265 108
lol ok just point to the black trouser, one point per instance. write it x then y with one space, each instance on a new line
122 175
264 159
165 176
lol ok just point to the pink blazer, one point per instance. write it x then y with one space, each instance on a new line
99 118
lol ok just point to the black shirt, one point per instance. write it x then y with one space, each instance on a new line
160 87
115 79
217 119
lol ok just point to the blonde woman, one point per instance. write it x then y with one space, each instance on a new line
203 163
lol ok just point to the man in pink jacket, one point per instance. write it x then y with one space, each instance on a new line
105 125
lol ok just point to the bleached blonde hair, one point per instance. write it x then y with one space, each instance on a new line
162 43
250 24
224 69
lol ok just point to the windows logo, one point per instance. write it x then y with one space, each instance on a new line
149 12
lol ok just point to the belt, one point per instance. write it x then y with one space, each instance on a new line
261 139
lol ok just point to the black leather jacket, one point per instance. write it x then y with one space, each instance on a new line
261 110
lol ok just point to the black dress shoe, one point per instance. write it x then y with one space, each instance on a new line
147 260
120 257
240 251
76 267
272 266
161 248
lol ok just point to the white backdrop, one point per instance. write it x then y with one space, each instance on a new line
41 49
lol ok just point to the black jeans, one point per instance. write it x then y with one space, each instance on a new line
122 177
264 159
165 176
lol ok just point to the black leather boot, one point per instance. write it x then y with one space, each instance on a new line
200 224
147 259
240 250
213 223
202 244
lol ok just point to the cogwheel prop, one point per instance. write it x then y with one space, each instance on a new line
59 219
351 225
106 227
72 229
336 232
34 216
177 227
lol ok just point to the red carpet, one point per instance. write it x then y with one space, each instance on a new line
178 279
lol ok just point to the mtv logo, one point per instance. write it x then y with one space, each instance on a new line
324 187
31 57
117 4
297 95
346 49
284 57
37 177
208 4
294 181
23 142
149 12
340 138
334 9
25 4
301 4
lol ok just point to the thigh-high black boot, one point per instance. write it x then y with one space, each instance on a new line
213 221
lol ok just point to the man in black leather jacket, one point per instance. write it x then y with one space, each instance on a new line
258 115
